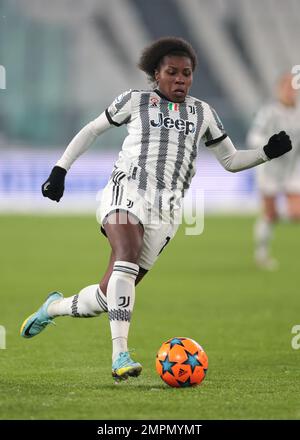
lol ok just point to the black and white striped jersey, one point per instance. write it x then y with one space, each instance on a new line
163 137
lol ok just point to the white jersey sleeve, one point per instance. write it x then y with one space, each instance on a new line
83 140
237 160
119 112
223 149
215 131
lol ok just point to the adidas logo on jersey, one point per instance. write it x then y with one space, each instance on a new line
178 124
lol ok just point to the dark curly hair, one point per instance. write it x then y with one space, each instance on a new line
152 55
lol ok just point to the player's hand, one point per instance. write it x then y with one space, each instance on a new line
54 186
278 145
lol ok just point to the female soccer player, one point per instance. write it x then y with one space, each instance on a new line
141 200
281 176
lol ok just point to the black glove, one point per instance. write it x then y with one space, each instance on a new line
278 145
54 186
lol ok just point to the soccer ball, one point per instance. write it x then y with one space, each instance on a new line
181 362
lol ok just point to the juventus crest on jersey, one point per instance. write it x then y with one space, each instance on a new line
163 137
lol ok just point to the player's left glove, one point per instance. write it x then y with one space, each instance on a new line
278 145
54 186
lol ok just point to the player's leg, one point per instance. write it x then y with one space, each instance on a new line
87 303
104 281
293 206
125 236
90 301
263 233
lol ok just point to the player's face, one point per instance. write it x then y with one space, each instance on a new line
174 77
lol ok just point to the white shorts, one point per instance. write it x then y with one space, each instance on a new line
121 194
276 177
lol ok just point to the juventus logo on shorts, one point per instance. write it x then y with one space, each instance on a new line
125 300
129 203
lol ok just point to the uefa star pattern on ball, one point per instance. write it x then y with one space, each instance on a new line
181 362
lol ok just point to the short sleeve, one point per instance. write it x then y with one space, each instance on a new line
215 131
119 112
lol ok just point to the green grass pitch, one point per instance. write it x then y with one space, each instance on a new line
205 287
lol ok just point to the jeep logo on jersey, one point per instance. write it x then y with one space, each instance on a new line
178 124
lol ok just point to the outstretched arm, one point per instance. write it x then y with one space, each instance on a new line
83 140
237 160
118 113
54 186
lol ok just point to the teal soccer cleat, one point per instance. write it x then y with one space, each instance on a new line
124 366
38 321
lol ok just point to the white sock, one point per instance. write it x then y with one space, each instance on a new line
89 302
263 234
120 302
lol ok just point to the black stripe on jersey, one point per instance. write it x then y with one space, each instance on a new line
193 155
162 148
145 137
215 141
183 114
162 157
188 176
199 109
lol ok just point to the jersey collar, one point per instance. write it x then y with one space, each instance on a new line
161 95
158 92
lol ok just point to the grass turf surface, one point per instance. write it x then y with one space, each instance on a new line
205 287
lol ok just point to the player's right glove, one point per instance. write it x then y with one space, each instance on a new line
54 186
278 145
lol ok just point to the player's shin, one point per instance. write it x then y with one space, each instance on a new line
263 234
89 302
120 301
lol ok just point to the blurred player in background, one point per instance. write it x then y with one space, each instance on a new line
154 170
281 176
